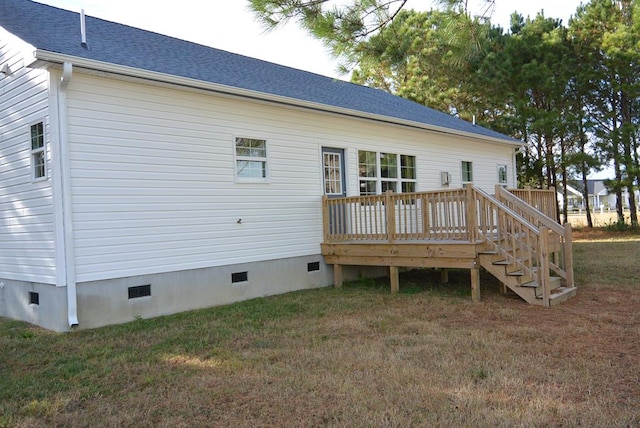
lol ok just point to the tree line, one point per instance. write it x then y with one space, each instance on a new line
571 92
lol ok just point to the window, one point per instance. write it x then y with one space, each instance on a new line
467 172
251 159
408 173
38 155
502 174
380 172
332 173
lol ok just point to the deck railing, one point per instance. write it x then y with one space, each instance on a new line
522 245
540 199
439 215
528 241
560 237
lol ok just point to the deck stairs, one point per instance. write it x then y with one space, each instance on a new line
518 260
527 286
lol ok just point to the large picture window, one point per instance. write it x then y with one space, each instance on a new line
38 152
251 159
379 172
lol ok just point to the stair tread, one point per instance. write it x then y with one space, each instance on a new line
558 292
534 284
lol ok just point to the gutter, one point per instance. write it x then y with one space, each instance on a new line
42 57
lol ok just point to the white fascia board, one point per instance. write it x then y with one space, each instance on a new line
43 57
573 190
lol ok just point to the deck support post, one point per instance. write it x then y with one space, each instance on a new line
475 284
444 275
503 288
337 276
568 254
394 279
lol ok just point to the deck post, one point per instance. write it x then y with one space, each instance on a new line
475 283
337 276
390 215
471 214
444 275
543 274
394 279
325 217
568 254
503 288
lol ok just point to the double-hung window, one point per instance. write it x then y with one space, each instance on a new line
467 172
408 173
502 174
380 171
251 159
38 152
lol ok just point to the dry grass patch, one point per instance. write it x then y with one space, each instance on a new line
356 356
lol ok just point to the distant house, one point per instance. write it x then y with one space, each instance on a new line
143 175
600 197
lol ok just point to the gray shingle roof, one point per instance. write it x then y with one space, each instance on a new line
56 30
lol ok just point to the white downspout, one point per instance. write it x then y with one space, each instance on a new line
65 177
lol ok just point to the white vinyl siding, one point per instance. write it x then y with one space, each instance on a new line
155 187
27 251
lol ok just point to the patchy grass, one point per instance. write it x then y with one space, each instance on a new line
356 356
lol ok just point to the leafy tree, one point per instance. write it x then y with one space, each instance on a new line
573 94
413 57
606 31
343 25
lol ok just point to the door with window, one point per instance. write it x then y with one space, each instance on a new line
333 172
334 185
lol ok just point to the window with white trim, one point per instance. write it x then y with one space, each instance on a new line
502 174
251 159
379 172
467 172
38 152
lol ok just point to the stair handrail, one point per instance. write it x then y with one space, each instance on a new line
534 213
535 241
566 271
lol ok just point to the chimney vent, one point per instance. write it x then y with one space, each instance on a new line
83 30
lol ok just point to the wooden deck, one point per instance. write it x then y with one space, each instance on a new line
463 228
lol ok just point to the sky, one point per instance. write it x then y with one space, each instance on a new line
230 25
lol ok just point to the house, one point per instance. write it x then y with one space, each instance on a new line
143 175
600 196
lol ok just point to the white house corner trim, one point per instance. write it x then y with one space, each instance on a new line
63 208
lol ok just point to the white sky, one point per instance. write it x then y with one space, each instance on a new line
229 25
